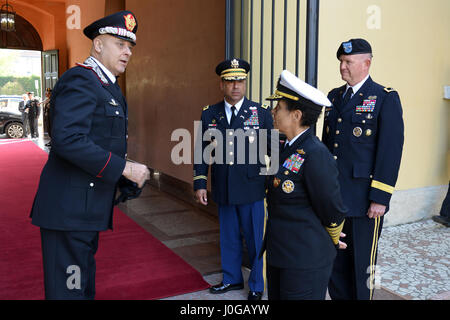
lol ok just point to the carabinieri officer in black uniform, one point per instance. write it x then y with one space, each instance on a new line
88 157
306 212
364 132
237 185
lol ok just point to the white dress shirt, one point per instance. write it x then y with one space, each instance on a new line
294 139
356 87
228 108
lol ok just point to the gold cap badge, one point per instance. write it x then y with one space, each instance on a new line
130 22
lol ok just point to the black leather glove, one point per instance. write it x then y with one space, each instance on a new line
128 190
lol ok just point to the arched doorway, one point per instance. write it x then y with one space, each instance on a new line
23 71
25 37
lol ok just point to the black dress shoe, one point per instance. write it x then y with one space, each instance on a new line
222 288
254 296
442 220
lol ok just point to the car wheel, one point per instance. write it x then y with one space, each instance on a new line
14 130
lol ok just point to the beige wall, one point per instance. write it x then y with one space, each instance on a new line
411 54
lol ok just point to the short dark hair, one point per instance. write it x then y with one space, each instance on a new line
310 111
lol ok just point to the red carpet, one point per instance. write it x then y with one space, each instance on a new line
131 263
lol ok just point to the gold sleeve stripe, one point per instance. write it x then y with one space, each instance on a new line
335 233
383 187
200 177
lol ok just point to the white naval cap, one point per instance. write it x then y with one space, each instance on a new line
291 87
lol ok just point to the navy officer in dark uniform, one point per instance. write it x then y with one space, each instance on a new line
305 208
237 185
88 158
364 132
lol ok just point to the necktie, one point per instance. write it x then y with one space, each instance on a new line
233 115
348 96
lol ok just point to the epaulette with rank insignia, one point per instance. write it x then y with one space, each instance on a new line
265 106
389 90
205 108
90 64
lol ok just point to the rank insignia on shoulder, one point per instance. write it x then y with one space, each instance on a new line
388 90
264 106
205 108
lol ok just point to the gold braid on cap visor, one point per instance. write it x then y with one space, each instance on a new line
234 73
279 94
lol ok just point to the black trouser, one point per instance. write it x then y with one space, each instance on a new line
26 126
445 209
34 130
354 270
297 284
69 264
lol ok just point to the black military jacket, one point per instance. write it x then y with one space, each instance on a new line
366 138
89 127
235 175
304 201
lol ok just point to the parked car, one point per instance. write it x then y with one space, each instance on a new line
11 124
10 103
